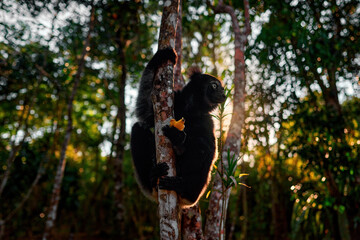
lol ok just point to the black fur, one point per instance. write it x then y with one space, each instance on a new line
194 147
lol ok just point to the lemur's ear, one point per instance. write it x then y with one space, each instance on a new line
194 70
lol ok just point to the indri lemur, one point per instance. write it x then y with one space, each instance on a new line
194 147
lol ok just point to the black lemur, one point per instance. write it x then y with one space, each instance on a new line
194 147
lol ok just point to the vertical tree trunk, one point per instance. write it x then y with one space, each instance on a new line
120 143
191 223
178 79
278 204
23 122
215 224
162 97
24 199
9 162
331 98
2 228
51 216
278 209
246 214
342 228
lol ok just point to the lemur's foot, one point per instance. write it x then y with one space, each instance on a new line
159 170
171 183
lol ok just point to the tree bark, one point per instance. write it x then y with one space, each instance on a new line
162 98
191 223
55 198
278 210
215 224
10 160
23 122
120 143
21 204
178 79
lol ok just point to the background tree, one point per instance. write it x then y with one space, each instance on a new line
317 53
299 150
51 216
215 224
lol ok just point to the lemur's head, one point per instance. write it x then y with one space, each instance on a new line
207 89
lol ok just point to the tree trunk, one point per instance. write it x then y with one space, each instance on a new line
162 98
120 143
191 223
279 220
23 122
214 228
246 214
341 221
21 204
51 216
12 155
178 79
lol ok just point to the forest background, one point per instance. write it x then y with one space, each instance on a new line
300 139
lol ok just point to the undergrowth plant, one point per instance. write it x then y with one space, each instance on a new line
226 170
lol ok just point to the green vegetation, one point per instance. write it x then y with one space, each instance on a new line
301 139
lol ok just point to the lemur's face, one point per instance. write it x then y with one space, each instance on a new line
215 92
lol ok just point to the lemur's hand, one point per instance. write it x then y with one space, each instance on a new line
162 56
176 136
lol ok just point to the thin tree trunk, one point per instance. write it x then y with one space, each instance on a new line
335 110
241 202
12 155
23 122
51 216
120 144
278 211
214 57
342 229
9 162
178 79
162 96
21 204
104 181
215 224
2 228
191 223
246 214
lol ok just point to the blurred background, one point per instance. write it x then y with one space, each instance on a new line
69 72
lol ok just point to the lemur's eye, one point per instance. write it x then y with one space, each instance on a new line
214 85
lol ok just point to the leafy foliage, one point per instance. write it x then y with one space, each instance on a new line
300 143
